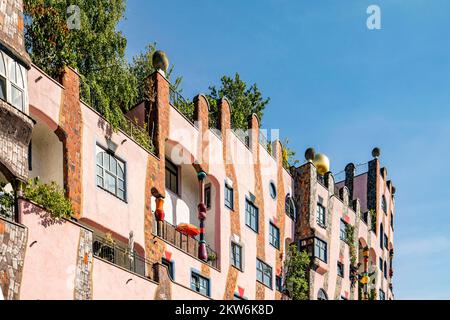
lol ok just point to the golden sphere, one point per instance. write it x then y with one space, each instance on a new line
322 163
365 280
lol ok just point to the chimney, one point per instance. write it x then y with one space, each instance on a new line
349 176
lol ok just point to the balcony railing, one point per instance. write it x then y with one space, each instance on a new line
108 250
186 243
181 104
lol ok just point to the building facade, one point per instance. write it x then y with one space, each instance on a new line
142 193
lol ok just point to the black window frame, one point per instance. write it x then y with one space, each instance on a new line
386 241
200 278
321 217
322 295
172 170
325 249
208 196
263 273
279 283
343 230
254 213
340 269
229 192
170 267
276 237
233 259
289 207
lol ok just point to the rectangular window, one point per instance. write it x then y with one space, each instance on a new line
380 261
264 273
251 215
229 197
382 296
169 265
279 284
340 269
17 97
2 87
343 231
236 255
392 221
321 215
386 241
320 250
274 236
171 176
110 173
200 284
208 197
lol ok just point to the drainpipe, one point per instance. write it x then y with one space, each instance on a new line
202 252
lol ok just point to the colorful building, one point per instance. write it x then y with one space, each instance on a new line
172 206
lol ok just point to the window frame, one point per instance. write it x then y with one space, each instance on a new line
251 214
340 269
103 151
208 193
229 192
289 207
232 253
276 237
170 267
173 170
343 232
195 274
272 190
279 284
384 204
263 273
321 222
325 249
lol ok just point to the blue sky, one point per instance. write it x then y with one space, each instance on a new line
339 87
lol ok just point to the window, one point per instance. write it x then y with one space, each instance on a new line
385 270
382 295
273 190
229 197
290 207
279 284
321 215
264 273
383 204
2 78
343 231
392 221
169 265
343 298
200 284
251 215
274 236
380 264
236 255
320 250
340 269
110 173
171 176
208 197
237 297
386 241
322 295
381 236
12 81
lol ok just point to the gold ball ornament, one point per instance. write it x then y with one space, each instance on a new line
322 163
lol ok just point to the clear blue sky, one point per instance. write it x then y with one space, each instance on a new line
339 87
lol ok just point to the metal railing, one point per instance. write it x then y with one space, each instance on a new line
185 107
108 250
186 243
265 142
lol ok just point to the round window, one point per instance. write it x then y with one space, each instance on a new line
273 190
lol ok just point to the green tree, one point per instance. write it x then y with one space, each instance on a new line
296 268
288 155
244 101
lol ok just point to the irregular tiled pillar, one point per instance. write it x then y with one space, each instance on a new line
83 273
70 132
13 241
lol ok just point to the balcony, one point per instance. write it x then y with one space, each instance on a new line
108 250
170 234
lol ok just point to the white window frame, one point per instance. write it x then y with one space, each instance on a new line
117 178
18 84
